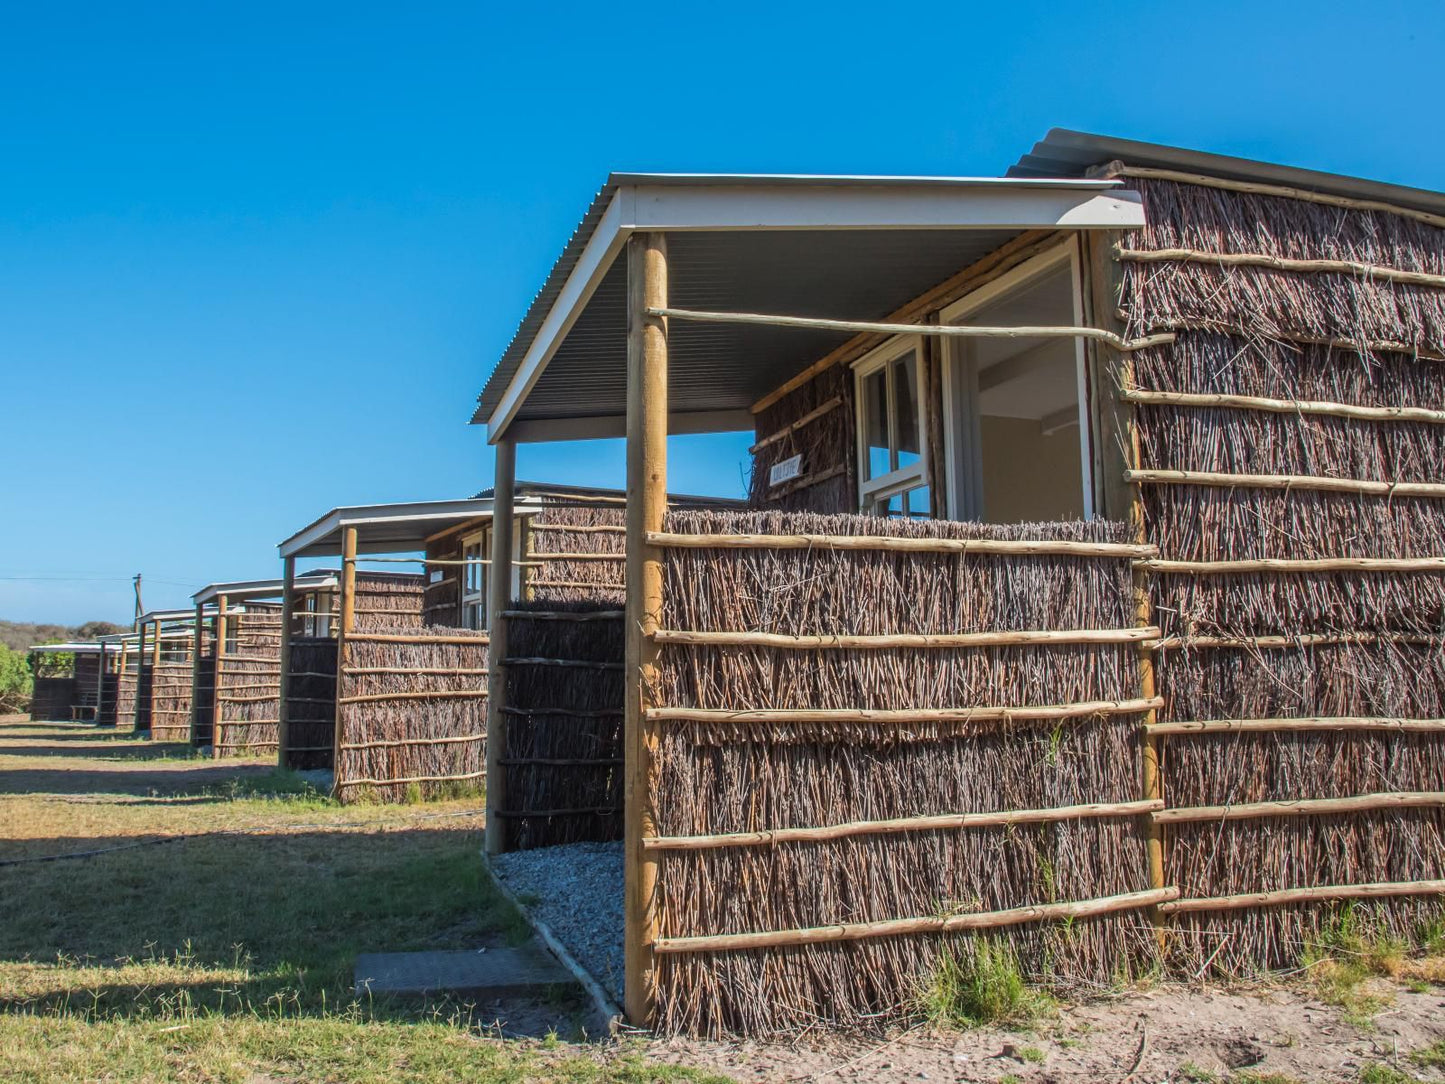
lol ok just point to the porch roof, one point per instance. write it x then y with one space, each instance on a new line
383 528
841 247
259 590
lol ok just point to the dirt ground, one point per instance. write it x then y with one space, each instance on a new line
66 788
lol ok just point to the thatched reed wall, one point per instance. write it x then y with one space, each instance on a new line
563 755
412 713
311 703
52 698
580 550
106 703
87 692
817 422
247 708
1347 643
171 691
729 777
126 688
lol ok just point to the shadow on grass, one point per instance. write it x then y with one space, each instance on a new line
188 777
256 924
110 751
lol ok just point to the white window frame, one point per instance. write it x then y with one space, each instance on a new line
960 432
875 491
476 598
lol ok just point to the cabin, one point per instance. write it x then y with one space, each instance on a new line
74 682
166 647
127 681
236 697
1090 594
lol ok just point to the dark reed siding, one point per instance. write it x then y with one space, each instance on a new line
127 682
719 777
442 598
826 444
564 727
250 687
87 671
311 703
1246 331
562 528
52 699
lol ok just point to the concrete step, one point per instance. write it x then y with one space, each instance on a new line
527 971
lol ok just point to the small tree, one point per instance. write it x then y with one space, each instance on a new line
15 682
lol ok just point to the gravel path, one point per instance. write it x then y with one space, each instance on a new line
576 890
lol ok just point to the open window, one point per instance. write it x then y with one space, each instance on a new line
893 480
474 582
1016 409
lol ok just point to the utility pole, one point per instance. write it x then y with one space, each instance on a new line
139 609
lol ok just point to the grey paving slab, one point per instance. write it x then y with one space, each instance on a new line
527 971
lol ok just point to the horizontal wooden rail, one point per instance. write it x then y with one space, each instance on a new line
369 782
398 743
1372 890
943 331
249 745
932 823
562 762
562 528
1306 639
1302 807
988 546
822 410
229 723
564 615
905 716
859 931
1310 723
407 638
313 674
575 664
1295 565
1283 406
1306 482
423 671
415 694
585 585
1354 268
848 641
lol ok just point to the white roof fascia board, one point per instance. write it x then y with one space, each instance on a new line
362 515
260 589
807 203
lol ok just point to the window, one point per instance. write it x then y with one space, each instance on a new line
1016 409
474 582
317 621
893 474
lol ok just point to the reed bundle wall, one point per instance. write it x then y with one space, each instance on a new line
816 422
144 682
247 708
106 706
87 692
126 687
442 594
1347 643
171 692
203 702
723 777
311 703
52 698
563 756
579 552
412 710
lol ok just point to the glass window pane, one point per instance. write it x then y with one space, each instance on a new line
875 421
905 406
918 503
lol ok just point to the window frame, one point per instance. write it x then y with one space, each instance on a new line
961 434
875 491
476 598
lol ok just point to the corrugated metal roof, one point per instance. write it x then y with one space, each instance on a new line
1066 153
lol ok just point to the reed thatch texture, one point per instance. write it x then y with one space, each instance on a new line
562 528
249 695
399 739
1257 331
170 714
127 682
311 703
723 777
389 600
203 702
564 726
442 597
826 444
52 698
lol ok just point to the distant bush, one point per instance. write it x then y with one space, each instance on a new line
15 682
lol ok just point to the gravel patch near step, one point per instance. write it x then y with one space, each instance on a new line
576 890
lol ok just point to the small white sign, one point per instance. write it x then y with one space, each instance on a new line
436 576
785 471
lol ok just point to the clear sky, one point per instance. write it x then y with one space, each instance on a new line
257 260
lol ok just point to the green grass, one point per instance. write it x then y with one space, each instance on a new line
227 956
1430 1057
1194 1074
977 982
1378 1072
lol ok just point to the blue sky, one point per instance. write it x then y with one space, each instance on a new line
233 237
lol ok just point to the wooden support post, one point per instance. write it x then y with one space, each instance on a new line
499 590
646 507
100 686
198 643
216 720
119 678
155 669
288 608
347 626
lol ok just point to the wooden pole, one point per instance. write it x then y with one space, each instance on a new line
119 680
100 686
155 669
216 721
288 608
348 620
198 642
646 506
499 589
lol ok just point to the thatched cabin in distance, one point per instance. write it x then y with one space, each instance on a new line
236 697
1134 653
166 648
74 682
